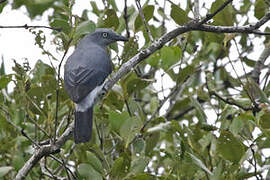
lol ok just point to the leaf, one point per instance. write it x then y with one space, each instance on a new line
95 162
4 170
264 118
229 147
2 68
129 129
4 80
249 62
119 168
225 17
179 15
143 176
151 142
148 14
237 125
185 73
170 56
138 165
95 8
202 116
139 145
260 8
131 83
61 23
118 119
84 28
199 163
154 59
2 5
109 20
115 100
86 170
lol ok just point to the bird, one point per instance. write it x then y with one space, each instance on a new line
84 74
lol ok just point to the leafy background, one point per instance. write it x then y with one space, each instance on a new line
164 120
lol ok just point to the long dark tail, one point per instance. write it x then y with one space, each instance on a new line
83 126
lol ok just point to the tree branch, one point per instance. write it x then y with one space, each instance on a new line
27 27
138 4
44 151
260 64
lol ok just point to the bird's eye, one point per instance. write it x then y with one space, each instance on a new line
105 34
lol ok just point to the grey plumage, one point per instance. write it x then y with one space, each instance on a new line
85 71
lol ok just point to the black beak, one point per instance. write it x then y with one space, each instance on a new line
120 38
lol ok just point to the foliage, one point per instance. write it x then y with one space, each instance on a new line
193 128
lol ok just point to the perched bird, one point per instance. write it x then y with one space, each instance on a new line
85 71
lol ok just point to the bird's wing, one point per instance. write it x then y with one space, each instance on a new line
82 80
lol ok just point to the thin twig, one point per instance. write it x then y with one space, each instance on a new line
138 4
2 1
31 26
37 125
196 9
126 16
228 101
210 16
57 89
255 162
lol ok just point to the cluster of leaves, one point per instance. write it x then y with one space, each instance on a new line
131 140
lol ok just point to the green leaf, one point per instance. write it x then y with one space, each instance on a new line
2 68
95 8
148 14
139 145
61 23
201 114
236 125
225 17
154 59
179 15
4 80
4 170
264 118
87 171
131 83
109 20
130 49
229 147
2 5
185 73
138 165
162 13
119 168
115 100
249 62
143 176
129 129
260 8
117 120
84 28
170 56
151 142
199 163
95 162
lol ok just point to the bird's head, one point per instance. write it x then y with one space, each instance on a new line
105 36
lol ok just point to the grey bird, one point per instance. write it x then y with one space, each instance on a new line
84 73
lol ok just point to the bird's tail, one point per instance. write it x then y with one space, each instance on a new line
83 125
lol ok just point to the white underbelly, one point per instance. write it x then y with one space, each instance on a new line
88 101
